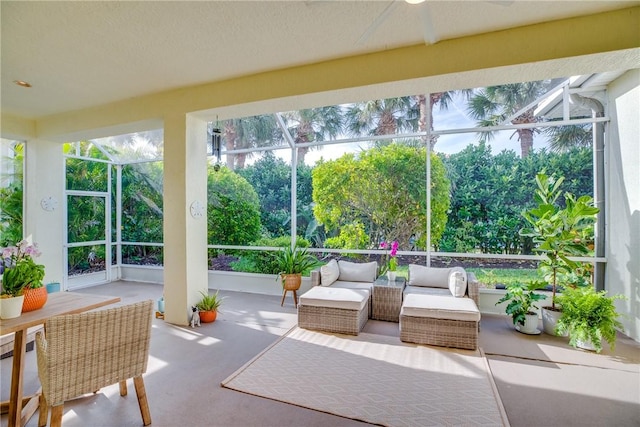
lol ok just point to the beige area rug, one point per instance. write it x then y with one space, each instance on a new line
374 378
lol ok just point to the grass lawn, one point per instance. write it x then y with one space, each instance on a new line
492 276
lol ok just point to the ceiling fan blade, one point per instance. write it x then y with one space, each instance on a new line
428 32
378 21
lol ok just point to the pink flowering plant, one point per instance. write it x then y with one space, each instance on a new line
392 264
19 270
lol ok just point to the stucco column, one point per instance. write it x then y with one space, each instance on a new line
185 217
44 171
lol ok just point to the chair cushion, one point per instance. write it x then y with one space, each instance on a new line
329 273
423 290
432 277
358 272
457 281
350 299
440 307
367 286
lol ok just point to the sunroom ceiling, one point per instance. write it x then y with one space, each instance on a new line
82 54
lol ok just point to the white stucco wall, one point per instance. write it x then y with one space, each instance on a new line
623 198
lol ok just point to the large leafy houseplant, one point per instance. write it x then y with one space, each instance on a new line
560 233
521 300
294 260
589 316
19 269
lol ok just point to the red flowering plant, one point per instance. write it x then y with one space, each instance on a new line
19 270
392 263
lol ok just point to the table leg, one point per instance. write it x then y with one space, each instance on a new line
15 399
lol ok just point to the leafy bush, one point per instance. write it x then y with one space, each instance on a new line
382 188
233 209
588 315
263 261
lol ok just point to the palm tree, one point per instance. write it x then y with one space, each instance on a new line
314 124
440 98
383 116
493 105
249 132
563 138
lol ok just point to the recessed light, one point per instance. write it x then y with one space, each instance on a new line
415 1
22 83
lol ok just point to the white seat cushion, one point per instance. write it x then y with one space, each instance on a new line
440 307
350 299
353 285
427 291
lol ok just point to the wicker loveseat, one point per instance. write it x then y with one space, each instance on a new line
340 298
440 307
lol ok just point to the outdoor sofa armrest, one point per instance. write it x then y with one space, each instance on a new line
473 287
315 277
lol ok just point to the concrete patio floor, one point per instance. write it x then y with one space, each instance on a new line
541 380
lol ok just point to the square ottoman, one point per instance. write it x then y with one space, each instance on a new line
338 310
444 321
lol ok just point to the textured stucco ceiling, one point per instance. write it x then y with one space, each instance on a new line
82 54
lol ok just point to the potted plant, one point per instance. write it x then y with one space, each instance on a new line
291 263
208 306
560 233
521 305
391 266
589 317
19 271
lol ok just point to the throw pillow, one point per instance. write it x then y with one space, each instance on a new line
358 272
458 282
431 277
329 273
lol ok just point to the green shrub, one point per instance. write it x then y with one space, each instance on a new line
260 261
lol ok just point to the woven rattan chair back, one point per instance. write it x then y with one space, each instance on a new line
81 353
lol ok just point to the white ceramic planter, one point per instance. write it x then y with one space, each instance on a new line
530 326
391 275
11 307
550 320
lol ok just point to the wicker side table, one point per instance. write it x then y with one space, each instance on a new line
387 299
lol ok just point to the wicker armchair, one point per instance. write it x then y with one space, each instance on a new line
81 353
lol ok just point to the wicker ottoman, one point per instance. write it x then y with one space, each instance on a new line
440 320
338 310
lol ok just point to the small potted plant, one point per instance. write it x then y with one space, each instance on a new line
521 306
19 273
589 317
392 265
208 306
292 263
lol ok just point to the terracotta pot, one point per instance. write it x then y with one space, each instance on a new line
34 299
208 316
291 282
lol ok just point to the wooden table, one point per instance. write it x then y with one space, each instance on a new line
59 303
387 298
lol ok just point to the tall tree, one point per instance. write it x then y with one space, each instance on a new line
493 105
563 139
382 116
248 132
442 99
380 194
314 124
